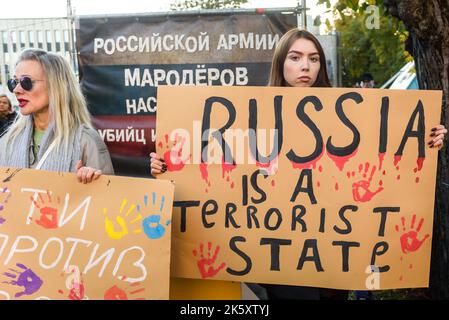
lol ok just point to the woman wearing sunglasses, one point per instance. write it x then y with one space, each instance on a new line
53 131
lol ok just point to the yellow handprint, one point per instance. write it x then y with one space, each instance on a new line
121 221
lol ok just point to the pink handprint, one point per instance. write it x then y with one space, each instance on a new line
208 262
25 278
409 240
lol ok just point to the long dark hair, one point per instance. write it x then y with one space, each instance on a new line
277 65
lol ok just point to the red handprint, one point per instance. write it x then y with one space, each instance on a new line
49 215
409 240
74 283
361 189
77 292
173 156
117 293
208 262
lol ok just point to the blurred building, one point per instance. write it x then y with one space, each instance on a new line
50 34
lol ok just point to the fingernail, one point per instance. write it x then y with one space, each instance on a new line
432 134
434 129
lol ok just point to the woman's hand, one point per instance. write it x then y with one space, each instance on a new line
86 174
438 134
157 164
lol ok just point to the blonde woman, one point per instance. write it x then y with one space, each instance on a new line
53 131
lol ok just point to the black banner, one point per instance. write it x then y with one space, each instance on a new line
122 60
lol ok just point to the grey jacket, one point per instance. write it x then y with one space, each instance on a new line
94 152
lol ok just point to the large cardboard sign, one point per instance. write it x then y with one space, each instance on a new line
317 187
61 239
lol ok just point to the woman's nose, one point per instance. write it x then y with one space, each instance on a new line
18 88
305 64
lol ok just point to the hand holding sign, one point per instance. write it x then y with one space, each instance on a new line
86 174
438 134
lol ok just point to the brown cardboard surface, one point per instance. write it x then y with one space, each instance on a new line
61 239
302 238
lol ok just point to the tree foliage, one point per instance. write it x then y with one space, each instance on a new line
427 24
370 41
206 4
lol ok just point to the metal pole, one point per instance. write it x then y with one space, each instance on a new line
298 15
304 14
301 14
71 44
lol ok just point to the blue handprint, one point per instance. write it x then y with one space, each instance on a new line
25 278
151 225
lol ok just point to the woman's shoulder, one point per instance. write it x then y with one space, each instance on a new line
91 136
95 153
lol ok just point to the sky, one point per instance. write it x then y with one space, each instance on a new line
58 8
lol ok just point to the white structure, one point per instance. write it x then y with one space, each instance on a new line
50 34
403 79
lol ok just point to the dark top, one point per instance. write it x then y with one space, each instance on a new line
6 122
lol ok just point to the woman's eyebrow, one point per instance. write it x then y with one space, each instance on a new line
299 52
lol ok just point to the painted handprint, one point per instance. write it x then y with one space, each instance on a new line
361 190
205 265
117 293
121 221
152 224
409 239
25 278
49 214
173 156
5 194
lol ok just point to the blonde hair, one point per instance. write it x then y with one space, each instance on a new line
67 106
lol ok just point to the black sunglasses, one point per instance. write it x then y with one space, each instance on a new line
25 82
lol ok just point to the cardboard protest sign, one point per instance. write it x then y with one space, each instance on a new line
61 239
317 187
